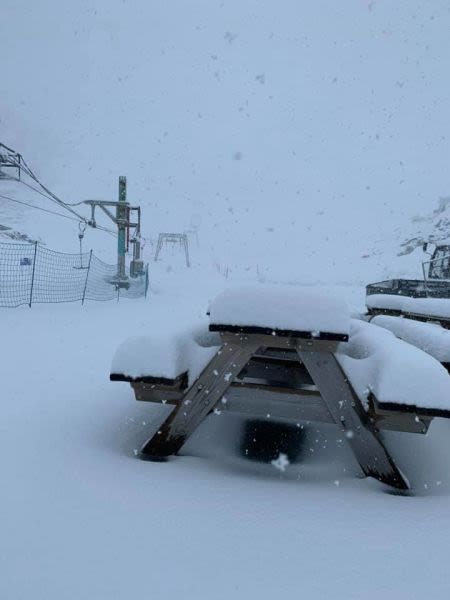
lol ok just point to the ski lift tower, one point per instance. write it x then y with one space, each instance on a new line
9 159
122 220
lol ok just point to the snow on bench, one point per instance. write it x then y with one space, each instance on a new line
432 307
429 337
281 309
397 373
165 357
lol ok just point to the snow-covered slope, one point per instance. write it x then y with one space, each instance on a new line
300 139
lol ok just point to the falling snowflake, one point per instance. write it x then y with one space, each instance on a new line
281 462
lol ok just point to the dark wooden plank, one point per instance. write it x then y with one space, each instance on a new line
273 404
349 414
276 372
181 381
201 398
418 411
423 318
306 335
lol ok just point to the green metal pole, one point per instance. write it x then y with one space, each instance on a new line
121 215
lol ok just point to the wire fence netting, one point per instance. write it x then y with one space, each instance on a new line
30 273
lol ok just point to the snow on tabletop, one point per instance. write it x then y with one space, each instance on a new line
435 307
429 337
166 356
281 307
376 361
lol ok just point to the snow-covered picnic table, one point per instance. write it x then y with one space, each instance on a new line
437 309
334 369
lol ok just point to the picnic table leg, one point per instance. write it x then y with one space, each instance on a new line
201 398
348 412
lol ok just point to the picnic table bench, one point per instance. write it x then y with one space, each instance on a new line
435 310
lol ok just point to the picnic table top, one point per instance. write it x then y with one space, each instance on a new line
287 310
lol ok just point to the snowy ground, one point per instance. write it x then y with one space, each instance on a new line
83 518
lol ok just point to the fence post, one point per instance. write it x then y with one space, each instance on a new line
87 275
32 274
146 281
